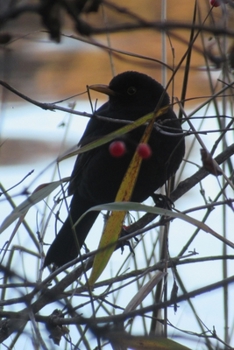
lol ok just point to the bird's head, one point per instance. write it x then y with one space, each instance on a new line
133 93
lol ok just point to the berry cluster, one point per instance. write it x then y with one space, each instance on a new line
118 149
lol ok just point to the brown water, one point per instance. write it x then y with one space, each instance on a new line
48 71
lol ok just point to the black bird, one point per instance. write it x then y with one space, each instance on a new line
97 175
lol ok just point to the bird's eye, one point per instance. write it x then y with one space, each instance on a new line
131 90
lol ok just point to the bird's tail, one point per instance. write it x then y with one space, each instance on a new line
70 239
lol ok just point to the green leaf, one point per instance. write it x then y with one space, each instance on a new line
122 340
115 134
127 206
38 194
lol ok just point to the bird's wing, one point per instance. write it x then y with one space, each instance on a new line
91 128
94 130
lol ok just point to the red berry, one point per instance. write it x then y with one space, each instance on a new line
144 150
217 3
117 148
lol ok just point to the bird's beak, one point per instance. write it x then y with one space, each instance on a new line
104 89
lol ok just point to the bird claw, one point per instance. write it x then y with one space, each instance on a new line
162 201
126 242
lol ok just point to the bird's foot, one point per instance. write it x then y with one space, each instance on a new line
162 201
127 243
